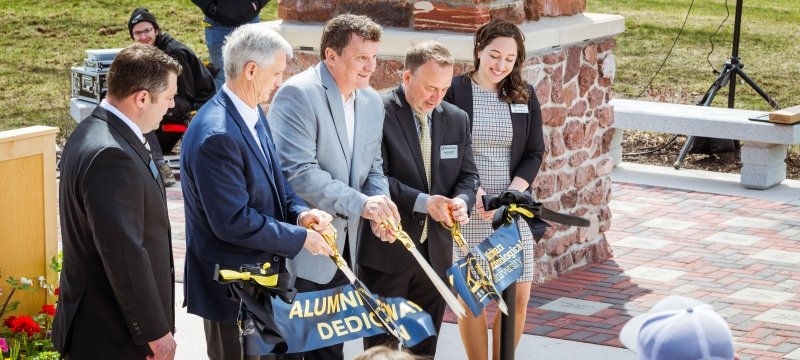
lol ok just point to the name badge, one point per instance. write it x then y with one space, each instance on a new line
519 108
448 152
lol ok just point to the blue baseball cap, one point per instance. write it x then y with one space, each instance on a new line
679 328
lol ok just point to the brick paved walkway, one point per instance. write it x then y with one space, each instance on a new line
739 254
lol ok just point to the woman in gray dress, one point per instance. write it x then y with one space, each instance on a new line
508 145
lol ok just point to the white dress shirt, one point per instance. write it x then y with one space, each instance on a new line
249 114
136 130
350 118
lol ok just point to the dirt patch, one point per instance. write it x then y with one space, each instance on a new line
635 141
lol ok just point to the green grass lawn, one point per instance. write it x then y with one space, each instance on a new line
41 40
769 48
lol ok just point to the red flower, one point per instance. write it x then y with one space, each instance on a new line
25 324
49 310
9 321
57 291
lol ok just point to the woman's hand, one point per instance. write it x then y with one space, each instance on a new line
485 215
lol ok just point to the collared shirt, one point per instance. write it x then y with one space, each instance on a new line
136 130
416 123
250 115
349 105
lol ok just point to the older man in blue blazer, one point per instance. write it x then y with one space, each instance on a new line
239 207
328 125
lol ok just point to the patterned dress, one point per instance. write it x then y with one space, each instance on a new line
492 135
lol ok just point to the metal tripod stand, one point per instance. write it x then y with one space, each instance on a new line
727 76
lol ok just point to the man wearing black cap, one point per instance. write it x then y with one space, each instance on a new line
195 84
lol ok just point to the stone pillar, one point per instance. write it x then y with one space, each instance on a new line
570 63
763 165
535 9
455 15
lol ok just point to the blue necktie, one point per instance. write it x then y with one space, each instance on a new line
151 164
153 168
261 131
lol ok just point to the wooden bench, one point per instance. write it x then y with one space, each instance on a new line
764 144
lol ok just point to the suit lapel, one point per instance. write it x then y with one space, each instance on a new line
337 109
519 125
361 128
407 122
133 140
248 137
276 178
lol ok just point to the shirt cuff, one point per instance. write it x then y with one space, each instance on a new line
421 204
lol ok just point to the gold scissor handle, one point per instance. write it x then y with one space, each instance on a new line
455 231
399 234
331 240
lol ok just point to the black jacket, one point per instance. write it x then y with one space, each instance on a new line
527 145
117 289
231 12
195 84
454 176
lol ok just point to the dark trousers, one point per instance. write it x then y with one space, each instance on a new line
414 285
222 342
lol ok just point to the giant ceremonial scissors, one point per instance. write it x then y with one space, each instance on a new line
448 296
386 320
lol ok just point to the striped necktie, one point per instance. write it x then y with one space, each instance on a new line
425 148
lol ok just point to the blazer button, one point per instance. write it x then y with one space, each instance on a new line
422 222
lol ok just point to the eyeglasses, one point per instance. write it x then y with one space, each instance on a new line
143 32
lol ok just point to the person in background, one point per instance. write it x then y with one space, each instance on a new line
328 124
427 156
195 85
117 296
221 18
239 207
679 328
508 144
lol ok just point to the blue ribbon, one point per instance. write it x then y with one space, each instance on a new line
469 284
333 316
503 250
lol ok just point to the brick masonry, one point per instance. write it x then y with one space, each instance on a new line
454 15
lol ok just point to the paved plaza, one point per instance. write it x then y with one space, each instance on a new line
687 232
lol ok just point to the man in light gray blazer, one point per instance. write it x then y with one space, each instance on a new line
327 125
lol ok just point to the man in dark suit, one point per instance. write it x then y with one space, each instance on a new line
427 156
117 290
239 207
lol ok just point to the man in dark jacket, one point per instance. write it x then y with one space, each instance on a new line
195 84
221 18
117 291
427 156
